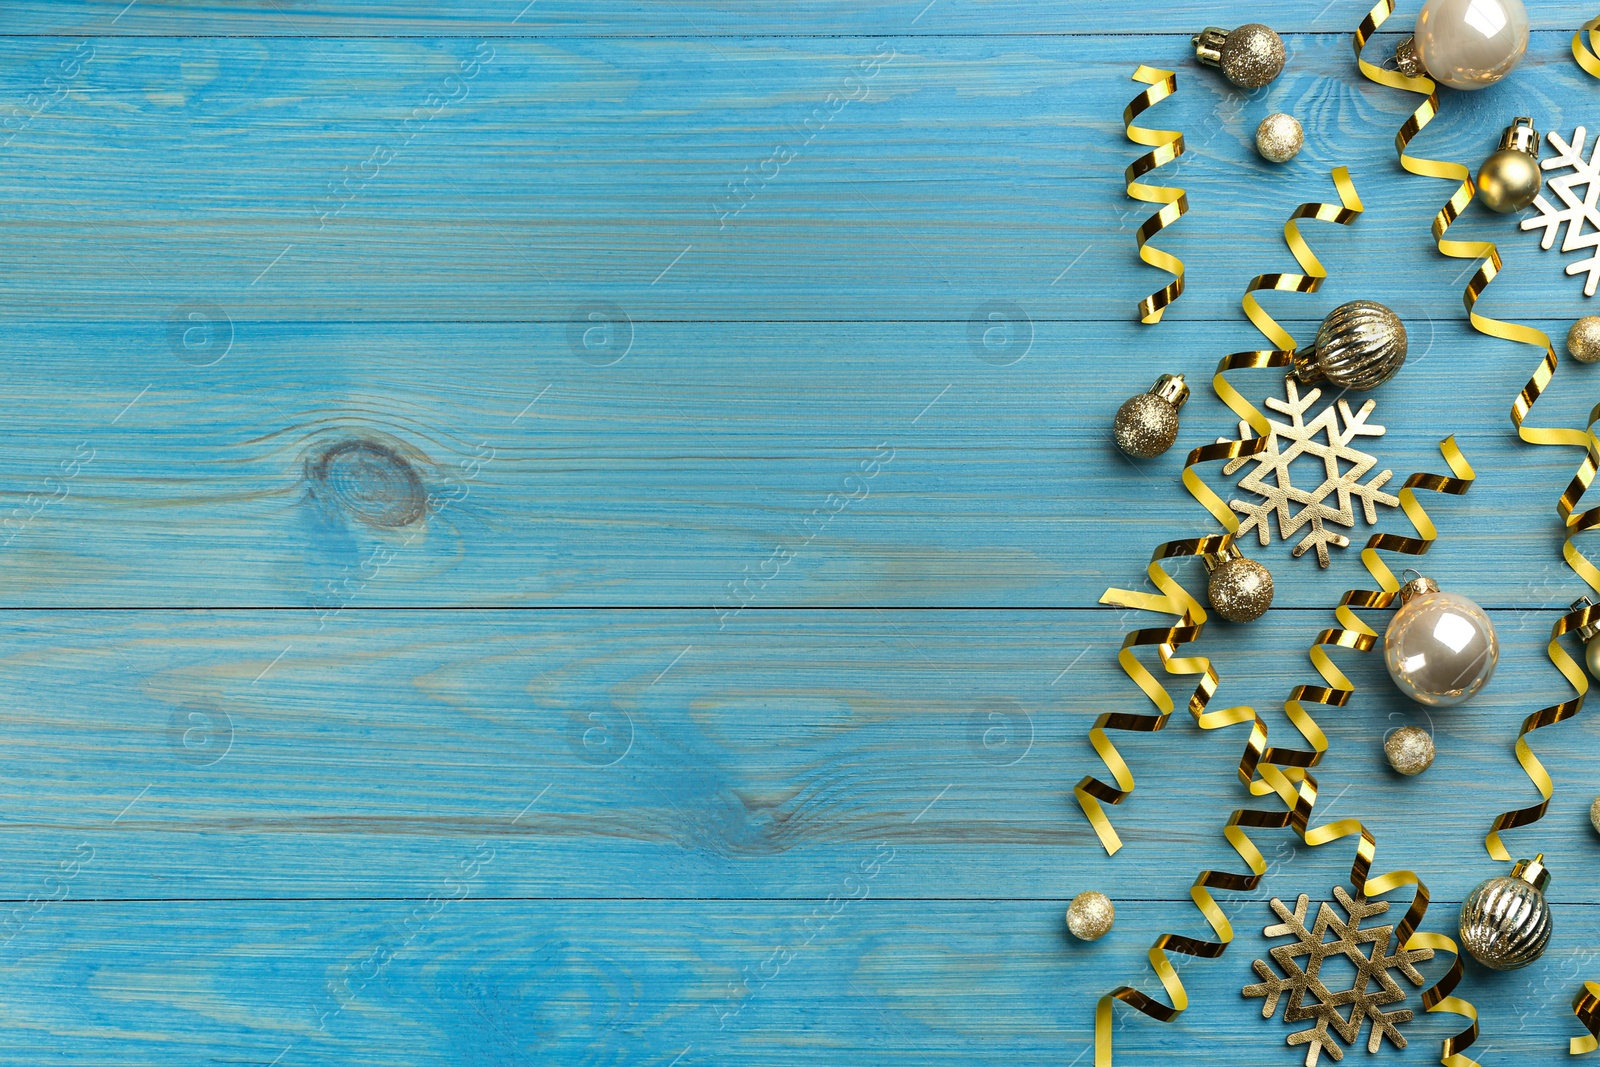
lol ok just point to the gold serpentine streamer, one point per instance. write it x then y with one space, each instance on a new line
1173 599
1310 280
1585 55
1269 770
1165 146
1573 620
1586 1006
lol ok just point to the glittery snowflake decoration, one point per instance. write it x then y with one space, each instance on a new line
1343 469
1309 998
1577 213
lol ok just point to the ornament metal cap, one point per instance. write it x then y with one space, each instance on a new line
1521 136
1416 587
1213 560
1588 631
1533 871
1406 60
1208 45
1171 388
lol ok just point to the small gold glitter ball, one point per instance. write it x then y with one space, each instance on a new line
1594 815
1410 750
1240 589
1146 426
1252 56
1583 340
1090 915
1279 138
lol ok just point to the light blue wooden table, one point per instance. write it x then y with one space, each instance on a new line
366 694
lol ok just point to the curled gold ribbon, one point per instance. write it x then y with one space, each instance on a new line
1165 146
1585 54
1175 600
1285 772
1586 1006
1549 716
1310 280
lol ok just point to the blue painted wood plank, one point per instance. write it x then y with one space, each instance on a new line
296 180
696 18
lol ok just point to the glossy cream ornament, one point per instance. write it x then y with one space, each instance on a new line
1147 424
1510 179
1505 922
1090 915
1470 44
1240 589
1249 57
1360 345
1440 648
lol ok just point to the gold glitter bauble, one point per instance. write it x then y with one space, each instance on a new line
1583 340
1253 56
1594 815
1410 750
1090 915
1240 589
1147 424
1279 138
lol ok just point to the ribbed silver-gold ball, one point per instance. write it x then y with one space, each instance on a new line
1240 589
1505 922
1409 750
1583 340
1090 915
1360 345
1279 138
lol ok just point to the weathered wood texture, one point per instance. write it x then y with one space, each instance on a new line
377 481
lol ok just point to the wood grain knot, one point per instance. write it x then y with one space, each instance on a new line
371 481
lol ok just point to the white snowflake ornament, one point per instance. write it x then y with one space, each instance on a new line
1577 214
1343 467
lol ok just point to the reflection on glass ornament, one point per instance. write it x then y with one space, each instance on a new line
1440 648
1470 44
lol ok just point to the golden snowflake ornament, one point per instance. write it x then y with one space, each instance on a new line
1308 998
1343 467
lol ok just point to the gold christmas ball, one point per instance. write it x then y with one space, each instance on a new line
1252 56
1594 815
1147 424
1583 340
1090 915
1508 181
1279 138
1240 589
1410 750
1360 345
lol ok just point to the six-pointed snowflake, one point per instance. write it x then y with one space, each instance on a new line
1577 213
1343 469
1301 983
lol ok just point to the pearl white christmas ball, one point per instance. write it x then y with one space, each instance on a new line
1471 44
1090 915
1279 138
1440 648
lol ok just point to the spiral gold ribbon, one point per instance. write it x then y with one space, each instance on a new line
1586 1006
1585 54
1555 713
1175 600
1310 280
1165 146
1270 770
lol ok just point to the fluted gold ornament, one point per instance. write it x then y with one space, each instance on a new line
1249 57
1090 915
1505 921
1360 345
1510 178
